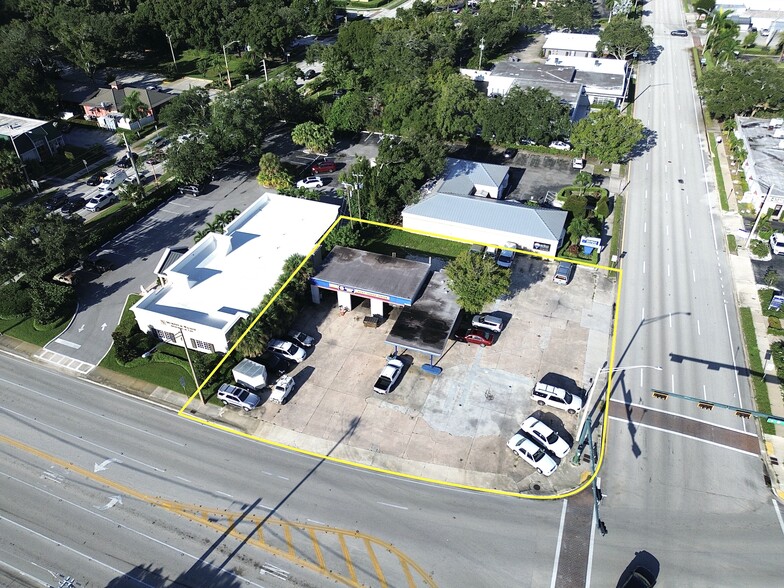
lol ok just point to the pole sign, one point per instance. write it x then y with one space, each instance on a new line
776 302
589 244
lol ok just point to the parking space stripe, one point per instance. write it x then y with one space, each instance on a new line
317 549
374 560
352 573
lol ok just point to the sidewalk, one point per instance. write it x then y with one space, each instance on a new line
746 294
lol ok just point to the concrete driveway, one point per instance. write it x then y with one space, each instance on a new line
135 254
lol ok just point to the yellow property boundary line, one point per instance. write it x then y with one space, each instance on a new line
603 444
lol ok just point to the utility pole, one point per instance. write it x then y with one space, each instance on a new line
481 50
174 59
133 161
357 185
190 363
226 61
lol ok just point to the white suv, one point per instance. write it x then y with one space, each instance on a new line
287 350
557 398
487 321
101 201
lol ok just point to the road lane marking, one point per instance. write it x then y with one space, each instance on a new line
693 271
643 266
95 414
316 522
223 494
645 227
374 560
704 392
734 365
670 317
699 331
558 544
682 416
590 550
347 557
184 479
67 343
684 435
667 230
80 438
668 270
778 513
393 505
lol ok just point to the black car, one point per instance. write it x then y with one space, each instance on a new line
679 33
55 201
96 179
275 364
310 74
99 265
509 153
73 205
124 162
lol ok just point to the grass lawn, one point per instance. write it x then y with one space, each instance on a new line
725 206
617 228
12 198
732 244
26 329
398 241
759 386
64 167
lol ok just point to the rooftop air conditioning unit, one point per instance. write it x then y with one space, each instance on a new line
777 122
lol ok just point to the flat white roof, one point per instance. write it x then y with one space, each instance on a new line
590 64
571 41
225 276
14 126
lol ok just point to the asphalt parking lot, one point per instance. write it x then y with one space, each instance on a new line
455 425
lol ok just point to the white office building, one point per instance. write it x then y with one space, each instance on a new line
224 277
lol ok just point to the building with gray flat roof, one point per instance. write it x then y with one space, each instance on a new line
487 222
763 140
379 278
29 138
462 176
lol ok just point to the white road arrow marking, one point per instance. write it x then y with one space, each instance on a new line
99 467
81 328
103 326
112 501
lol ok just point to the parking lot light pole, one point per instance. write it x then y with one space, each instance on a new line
190 363
174 59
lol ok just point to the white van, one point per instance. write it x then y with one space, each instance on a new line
112 180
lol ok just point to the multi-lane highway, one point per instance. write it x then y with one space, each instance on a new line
677 487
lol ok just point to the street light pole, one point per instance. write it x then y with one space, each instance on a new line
481 50
171 47
226 61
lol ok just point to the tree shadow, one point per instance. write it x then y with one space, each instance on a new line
652 55
200 574
645 144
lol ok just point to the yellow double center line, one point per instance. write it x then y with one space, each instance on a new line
221 520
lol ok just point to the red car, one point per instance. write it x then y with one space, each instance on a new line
481 337
323 167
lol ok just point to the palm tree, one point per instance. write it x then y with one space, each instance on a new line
133 108
722 38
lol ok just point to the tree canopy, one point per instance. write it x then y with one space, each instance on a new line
476 280
623 36
742 87
607 134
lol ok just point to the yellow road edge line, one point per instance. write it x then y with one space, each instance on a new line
347 558
374 560
317 549
582 486
407 572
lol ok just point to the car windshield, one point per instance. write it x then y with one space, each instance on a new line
243 395
551 438
285 347
568 397
538 454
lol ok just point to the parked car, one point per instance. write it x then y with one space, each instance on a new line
477 249
55 201
560 145
487 321
389 375
506 256
492 253
509 153
311 182
563 273
481 337
640 578
237 396
544 394
578 163
283 386
310 74
324 166
275 364
777 243
301 339
533 453
99 265
101 201
191 189
545 436
154 159
287 350
681 33
133 179
525 141
125 161
95 179
73 205
158 142
69 276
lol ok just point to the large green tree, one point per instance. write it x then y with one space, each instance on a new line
192 162
476 281
455 107
742 87
11 172
190 112
350 112
607 134
722 38
25 56
239 121
315 137
623 36
533 114
576 15
272 173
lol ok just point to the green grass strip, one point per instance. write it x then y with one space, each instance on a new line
617 224
725 205
732 244
761 400
695 53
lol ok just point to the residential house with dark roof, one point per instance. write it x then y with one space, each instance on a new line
105 106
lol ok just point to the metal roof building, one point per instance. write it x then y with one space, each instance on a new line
462 176
763 140
488 222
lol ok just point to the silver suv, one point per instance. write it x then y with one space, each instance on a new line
237 396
